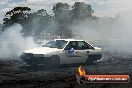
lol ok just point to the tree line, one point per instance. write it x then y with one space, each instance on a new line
57 23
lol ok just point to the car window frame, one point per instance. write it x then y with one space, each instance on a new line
86 44
65 48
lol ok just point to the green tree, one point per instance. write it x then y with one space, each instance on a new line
62 19
41 20
60 11
82 11
33 23
17 15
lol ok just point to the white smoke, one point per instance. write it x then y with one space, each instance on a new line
12 42
112 34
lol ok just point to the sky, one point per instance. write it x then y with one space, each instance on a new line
102 8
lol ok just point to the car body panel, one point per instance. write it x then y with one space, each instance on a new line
66 56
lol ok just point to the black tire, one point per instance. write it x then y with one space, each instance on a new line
92 58
32 62
89 60
54 61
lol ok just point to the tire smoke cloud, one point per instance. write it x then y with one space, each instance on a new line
12 42
112 34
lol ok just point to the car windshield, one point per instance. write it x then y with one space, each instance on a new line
56 44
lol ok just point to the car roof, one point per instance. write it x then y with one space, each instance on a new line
69 39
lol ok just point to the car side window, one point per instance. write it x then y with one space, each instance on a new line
72 44
82 45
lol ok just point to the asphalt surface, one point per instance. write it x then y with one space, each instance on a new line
14 74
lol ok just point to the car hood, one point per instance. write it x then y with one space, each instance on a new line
42 50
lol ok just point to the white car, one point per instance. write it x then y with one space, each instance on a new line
62 51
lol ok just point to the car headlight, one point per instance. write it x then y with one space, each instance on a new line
38 55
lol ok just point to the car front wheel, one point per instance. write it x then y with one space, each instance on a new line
54 61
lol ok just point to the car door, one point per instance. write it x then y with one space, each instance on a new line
70 54
84 50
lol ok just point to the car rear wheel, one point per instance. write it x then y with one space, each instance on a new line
89 60
92 58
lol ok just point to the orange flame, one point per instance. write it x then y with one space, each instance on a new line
81 71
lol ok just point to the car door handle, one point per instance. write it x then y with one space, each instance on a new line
76 52
87 51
